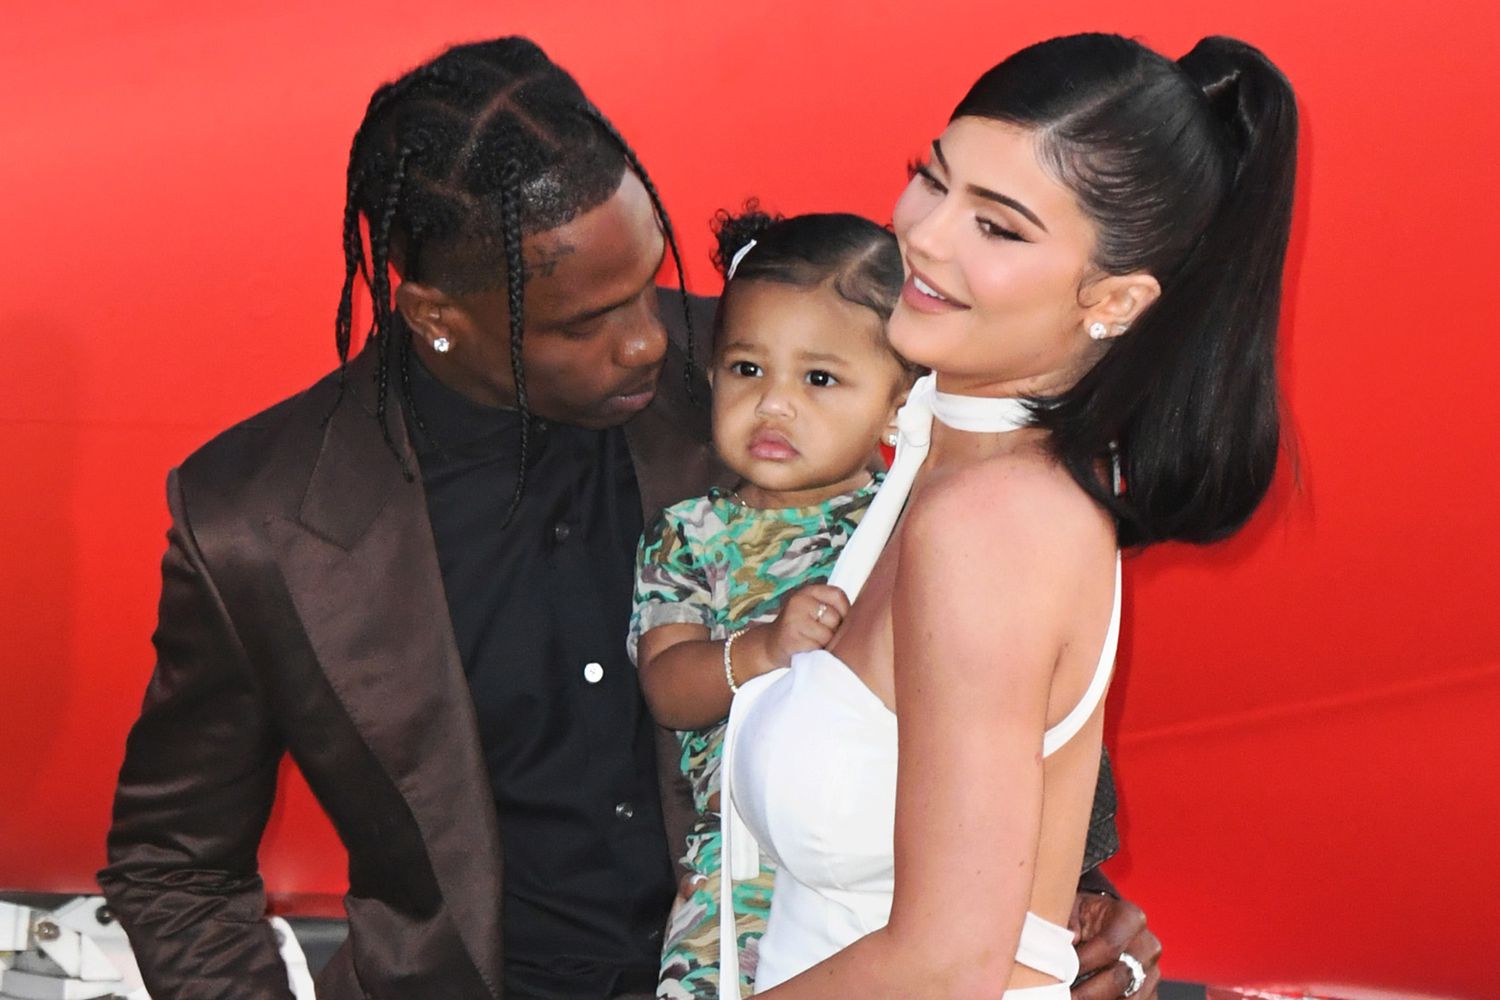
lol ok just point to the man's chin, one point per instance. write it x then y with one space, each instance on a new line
612 411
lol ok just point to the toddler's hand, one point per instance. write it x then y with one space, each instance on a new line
808 620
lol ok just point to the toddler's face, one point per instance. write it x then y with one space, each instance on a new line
804 386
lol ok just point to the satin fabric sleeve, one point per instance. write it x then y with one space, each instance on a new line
194 794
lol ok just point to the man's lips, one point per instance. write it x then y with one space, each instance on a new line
636 397
772 445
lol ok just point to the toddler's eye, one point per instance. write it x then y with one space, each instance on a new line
745 369
821 379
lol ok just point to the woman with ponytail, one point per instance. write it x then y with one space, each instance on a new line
1093 261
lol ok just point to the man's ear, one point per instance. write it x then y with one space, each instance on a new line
428 312
1118 300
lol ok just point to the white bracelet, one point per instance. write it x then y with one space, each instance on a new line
728 669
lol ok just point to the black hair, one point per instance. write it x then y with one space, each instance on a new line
453 165
1186 169
859 259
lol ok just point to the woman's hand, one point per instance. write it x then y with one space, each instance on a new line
1104 928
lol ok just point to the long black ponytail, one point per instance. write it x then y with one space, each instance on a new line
1187 171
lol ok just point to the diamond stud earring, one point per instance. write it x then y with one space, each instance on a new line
442 345
1098 331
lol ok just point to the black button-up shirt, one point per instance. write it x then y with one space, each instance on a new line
540 611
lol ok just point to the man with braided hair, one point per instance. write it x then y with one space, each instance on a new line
415 578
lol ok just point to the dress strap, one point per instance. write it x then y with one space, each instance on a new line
914 434
977 414
1054 738
739 850
1047 948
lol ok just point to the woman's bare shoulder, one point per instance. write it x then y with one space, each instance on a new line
1019 503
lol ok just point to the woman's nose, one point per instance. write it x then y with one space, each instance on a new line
928 236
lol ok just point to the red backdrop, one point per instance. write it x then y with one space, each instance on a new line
1304 721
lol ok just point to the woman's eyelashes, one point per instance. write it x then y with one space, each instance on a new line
993 230
923 169
989 228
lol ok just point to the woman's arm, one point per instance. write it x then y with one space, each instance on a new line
991 563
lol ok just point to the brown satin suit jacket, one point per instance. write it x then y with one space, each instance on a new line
302 611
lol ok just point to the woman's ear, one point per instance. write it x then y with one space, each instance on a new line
1117 301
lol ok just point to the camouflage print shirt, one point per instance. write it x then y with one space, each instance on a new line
713 561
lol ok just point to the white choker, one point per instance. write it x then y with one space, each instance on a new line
914 423
978 413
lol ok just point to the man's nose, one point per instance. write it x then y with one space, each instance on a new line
642 342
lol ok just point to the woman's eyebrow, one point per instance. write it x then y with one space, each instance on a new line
987 194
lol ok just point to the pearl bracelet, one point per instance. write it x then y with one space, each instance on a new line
728 669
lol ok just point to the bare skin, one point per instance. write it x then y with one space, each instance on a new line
593 345
803 388
998 303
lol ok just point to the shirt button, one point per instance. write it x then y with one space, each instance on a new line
561 531
593 672
624 810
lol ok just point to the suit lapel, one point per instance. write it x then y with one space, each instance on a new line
361 567
362 571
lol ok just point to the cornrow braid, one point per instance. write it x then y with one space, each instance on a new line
453 166
666 228
380 291
515 283
354 261
404 361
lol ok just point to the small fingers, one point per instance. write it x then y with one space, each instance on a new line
822 593
828 615
816 634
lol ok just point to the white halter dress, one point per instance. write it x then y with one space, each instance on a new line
809 769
